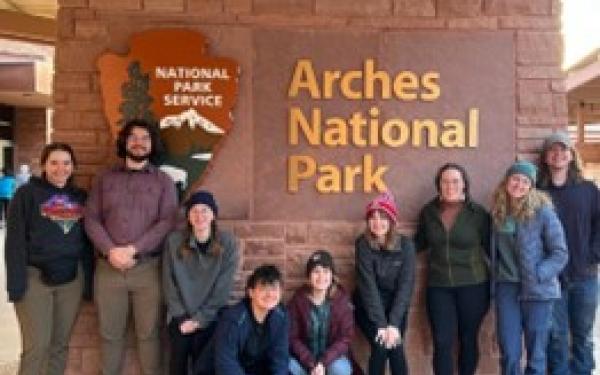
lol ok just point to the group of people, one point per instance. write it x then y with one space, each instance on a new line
533 256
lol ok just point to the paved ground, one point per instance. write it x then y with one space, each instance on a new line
10 342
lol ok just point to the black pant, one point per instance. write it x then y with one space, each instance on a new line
452 311
4 203
379 354
194 347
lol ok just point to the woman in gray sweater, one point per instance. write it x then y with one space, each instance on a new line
199 266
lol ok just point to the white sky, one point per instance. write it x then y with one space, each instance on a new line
581 29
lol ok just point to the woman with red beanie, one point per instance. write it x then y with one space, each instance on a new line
385 266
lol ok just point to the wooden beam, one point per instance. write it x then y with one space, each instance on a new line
579 77
580 125
16 25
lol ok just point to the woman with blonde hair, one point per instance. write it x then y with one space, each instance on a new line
385 264
528 253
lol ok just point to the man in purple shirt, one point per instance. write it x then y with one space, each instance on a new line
130 210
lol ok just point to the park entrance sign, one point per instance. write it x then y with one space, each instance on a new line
168 78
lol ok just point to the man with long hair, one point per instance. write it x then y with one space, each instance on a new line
130 210
577 202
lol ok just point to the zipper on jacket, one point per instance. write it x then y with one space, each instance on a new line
448 258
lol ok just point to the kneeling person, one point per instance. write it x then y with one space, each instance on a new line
321 322
252 336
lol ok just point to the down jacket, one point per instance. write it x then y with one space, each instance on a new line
542 254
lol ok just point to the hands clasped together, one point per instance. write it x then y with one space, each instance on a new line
388 337
122 257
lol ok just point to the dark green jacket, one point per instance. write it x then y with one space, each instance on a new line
457 257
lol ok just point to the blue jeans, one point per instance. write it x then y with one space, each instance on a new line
340 366
574 313
515 318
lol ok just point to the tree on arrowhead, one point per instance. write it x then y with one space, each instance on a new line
136 99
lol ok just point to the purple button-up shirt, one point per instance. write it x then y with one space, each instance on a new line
127 207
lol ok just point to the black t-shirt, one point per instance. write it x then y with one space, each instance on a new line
254 355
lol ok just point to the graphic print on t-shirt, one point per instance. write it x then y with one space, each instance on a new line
64 211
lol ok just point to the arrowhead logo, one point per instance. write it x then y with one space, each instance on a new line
167 78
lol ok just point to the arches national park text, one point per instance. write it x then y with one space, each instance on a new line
365 129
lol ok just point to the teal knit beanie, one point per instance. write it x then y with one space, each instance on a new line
525 168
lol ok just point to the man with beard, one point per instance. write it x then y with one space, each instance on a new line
130 210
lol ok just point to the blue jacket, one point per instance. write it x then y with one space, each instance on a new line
232 333
7 187
542 254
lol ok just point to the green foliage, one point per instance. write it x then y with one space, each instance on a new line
136 99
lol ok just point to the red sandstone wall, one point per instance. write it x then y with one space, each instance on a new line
29 137
89 27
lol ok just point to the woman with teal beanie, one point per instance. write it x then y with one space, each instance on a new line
527 254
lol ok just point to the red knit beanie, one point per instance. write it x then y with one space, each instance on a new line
386 203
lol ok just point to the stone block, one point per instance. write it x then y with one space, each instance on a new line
459 8
251 263
560 104
399 22
115 5
529 22
489 23
517 7
77 56
328 234
296 233
72 82
74 137
534 97
237 6
539 48
542 119
259 230
414 8
533 132
86 323
84 102
529 145
558 85
532 72
83 181
354 7
205 6
90 29
264 248
289 20
72 3
293 7
84 13
556 7
164 6
65 23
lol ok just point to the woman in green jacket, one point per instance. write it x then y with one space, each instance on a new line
455 232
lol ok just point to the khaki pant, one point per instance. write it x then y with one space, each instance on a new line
115 292
46 316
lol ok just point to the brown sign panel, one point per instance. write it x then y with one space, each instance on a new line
169 79
342 115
